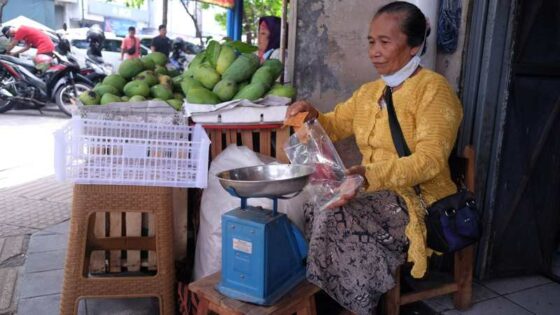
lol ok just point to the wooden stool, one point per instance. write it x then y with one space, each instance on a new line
91 199
300 300
461 287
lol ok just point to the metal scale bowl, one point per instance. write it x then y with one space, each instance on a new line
263 253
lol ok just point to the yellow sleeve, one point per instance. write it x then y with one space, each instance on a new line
437 120
338 124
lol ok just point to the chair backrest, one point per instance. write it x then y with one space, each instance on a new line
266 139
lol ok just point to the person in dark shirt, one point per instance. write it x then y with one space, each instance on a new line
161 43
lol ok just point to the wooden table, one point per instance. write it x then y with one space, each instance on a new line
300 300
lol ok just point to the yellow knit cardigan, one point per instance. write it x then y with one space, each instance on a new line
429 114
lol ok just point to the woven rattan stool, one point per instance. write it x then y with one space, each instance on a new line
89 199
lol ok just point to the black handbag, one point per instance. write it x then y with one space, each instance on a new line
132 50
452 222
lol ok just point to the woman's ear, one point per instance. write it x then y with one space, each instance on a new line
414 50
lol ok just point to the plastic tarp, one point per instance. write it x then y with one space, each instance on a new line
216 201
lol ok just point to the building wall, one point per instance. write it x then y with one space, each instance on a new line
41 11
330 51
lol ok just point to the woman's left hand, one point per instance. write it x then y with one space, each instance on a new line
347 189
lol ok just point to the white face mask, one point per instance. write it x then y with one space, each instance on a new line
405 72
397 78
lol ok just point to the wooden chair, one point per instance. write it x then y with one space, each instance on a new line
461 287
266 139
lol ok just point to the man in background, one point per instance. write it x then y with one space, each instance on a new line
32 37
130 48
161 43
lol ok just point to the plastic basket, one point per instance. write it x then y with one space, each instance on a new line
92 151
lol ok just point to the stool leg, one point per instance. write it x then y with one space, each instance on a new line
463 277
393 296
75 263
202 307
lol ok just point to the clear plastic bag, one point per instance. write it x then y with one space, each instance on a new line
311 145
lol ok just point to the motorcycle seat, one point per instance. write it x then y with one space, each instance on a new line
22 62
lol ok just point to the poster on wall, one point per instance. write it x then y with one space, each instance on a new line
222 3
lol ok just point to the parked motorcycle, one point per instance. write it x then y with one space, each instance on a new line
23 86
96 68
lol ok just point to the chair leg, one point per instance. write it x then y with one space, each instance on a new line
202 307
393 296
463 277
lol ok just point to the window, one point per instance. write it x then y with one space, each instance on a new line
80 43
112 45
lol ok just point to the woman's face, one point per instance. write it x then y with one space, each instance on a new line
264 34
388 50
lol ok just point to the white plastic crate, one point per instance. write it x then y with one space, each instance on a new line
93 151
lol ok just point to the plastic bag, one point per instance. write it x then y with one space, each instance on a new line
310 145
217 201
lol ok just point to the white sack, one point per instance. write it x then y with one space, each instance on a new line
216 201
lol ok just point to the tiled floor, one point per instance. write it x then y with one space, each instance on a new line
41 285
522 295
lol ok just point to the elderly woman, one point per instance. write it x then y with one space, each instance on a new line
356 246
268 39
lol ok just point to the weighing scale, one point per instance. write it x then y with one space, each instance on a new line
263 253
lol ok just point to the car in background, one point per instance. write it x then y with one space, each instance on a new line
190 48
111 49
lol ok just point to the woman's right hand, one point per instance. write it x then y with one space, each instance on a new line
302 106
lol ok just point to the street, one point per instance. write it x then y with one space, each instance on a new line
27 142
30 198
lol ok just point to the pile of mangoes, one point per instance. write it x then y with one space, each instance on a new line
218 74
221 73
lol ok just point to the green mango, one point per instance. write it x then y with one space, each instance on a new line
109 98
207 76
241 85
161 91
225 89
136 87
177 104
178 96
283 90
213 52
173 73
148 76
263 75
104 89
189 83
148 63
198 60
115 80
160 70
200 95
251 92
158 58
226 58
125 98
242 68
137 98
275 65
130 68
89 98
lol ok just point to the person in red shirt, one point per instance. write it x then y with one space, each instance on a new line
130 47
31 36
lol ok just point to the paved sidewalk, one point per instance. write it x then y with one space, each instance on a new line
24 210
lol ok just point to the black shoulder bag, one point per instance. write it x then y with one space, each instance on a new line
452 222
132 50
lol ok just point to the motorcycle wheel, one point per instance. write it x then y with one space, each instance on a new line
65 95
5 103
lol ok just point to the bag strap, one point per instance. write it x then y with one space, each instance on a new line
398 138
